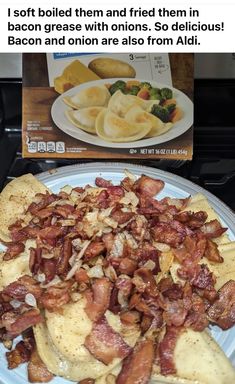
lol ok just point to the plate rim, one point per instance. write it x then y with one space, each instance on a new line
134 144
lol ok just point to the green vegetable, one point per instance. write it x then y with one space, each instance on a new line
118 85
133 90
170 107
161 112
145 84
155 94
166 93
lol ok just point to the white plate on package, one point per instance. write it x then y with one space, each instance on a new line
175 186
59 107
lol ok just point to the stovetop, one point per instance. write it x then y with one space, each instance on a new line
213 164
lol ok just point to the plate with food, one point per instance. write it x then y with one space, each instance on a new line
123 113
123 276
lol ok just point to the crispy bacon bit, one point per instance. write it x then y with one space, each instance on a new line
19 289
175 312
48 267
16 324
44 200
51 233
137 367
44 213
166 351
56 296
213 229
98 299
127 266
102 183
179 204
163 233
13 250
130 317
106 344
95 248
148 281
147 186
192 219
87 381
63 261
81 276
121 217
37 370
222 312
19 355
212 252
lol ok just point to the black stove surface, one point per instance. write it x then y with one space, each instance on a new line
213 164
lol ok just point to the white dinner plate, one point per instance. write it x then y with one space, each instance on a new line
175 186
59 107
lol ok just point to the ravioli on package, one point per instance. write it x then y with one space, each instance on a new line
96 96
84 118
120 103
111 127
94 272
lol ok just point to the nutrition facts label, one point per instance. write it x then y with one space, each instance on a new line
46 147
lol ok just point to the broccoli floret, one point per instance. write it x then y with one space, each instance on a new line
145 84
155 94
161 112
166 93
133 90
170 107
118 85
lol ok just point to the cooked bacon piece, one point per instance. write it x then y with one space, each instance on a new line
44 213
95 248
222 312
212 252
124 284
56 296
175 312
102 183
105 344
25 284
127 266
204 279
30 231
62 266
121 217
148 280
98 299
213 229
51 233
147 186
146 323
192 249
149 206
147 252
170 289
48 267
179 204
130 317
137 367
81 276
19 355
108 240
115 192
45 200
127 184
137 302
163 233
13 250
166 350
37 370
192 219
35 259
114 305
64 210
16 324
87 381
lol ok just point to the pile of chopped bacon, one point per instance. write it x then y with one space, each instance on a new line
105 243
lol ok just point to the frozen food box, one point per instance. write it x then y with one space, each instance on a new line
108 106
